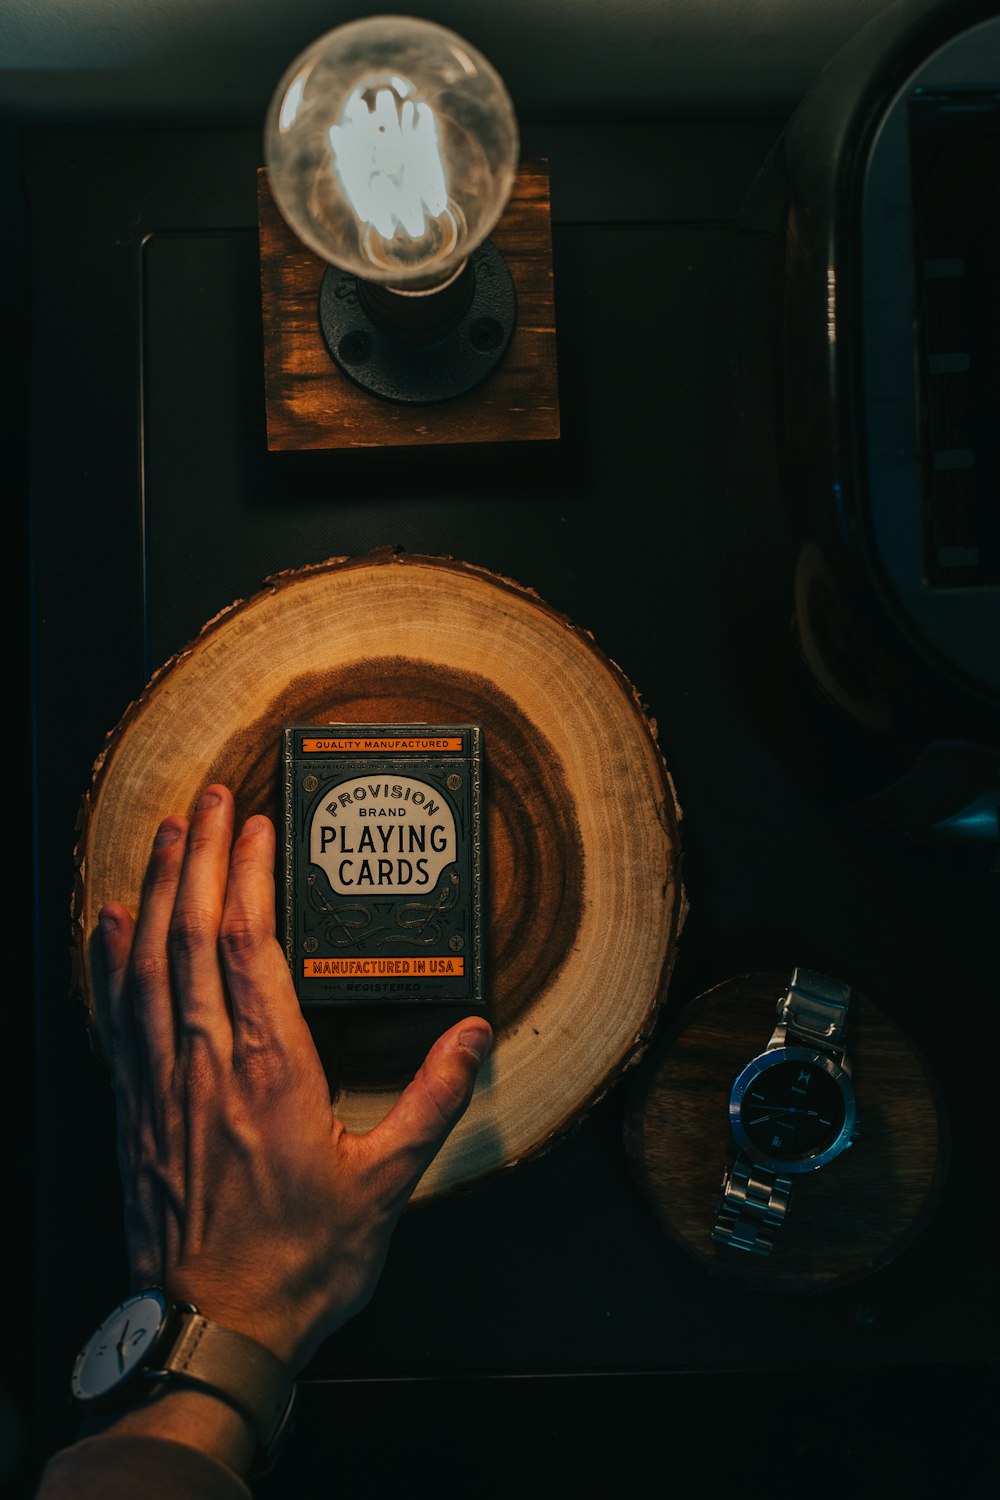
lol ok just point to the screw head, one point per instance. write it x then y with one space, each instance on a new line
310 783
454 782
355 347
485 334
310 944
456 943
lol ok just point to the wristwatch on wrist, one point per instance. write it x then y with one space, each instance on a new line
791 1110
150 1340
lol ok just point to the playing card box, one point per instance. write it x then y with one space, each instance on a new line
384 863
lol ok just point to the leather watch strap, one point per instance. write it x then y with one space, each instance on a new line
238 1369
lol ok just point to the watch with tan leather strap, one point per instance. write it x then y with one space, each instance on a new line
150 1340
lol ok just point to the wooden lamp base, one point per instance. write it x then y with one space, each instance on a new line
312 404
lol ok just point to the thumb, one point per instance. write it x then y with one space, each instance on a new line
406 1142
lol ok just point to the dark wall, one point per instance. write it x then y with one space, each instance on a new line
561 59
216 61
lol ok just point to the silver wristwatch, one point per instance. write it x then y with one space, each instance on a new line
150 1340
792 1110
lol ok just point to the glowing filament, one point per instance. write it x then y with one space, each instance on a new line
389 161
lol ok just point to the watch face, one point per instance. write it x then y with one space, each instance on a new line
120 1347
793 1107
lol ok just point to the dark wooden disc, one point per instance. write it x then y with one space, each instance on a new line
584 895
846 1219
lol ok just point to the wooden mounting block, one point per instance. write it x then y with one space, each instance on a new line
311 404
584 896
847 1219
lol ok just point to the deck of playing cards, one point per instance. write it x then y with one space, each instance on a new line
384 863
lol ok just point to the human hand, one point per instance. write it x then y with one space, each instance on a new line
244 1193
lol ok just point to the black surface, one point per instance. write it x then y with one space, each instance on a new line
155 504
428 361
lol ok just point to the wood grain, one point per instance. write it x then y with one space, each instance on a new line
845 1220
584 893
311 404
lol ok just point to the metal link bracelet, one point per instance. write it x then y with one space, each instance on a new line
814 1010
754 1201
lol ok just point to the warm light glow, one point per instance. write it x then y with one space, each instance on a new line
391 147
389 161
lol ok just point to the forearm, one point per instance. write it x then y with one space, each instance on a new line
173 1444
194 1417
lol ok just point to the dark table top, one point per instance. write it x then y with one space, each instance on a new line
545 1304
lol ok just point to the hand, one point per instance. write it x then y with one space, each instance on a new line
244 1193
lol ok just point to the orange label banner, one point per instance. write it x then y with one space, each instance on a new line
429 745
450 967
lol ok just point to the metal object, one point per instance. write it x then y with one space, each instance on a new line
754 1201
861 499
421 348
814 1012
808 1045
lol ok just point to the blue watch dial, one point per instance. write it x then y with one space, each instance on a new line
793 1109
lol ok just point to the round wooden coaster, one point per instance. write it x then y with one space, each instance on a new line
584 896
845 1220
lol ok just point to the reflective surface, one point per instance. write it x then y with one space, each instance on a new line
391 146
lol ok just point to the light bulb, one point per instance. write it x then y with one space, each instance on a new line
391 147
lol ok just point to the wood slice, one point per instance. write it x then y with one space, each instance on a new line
845 1220
584 897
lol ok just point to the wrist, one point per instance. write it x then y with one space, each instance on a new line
151 1347
256 1320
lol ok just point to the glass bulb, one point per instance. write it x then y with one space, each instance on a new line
391 146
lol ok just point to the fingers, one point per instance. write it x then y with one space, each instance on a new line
200 996
264 1004
403 1146
163 970
116 931
148 986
